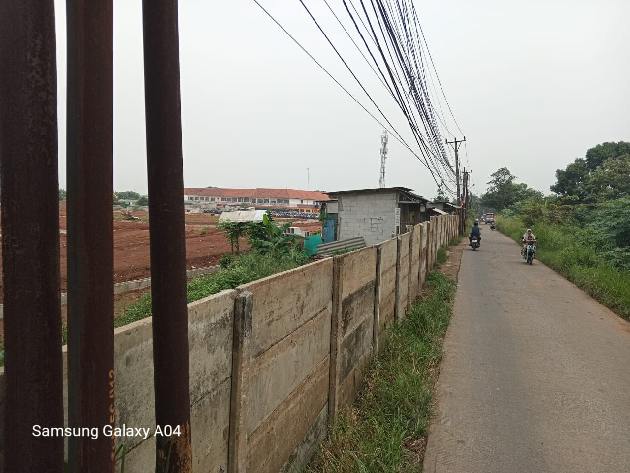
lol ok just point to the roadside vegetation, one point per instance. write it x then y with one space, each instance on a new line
385 430
272 252
583 228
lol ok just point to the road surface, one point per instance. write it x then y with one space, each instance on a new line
535 376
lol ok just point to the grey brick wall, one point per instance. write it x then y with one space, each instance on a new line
371 216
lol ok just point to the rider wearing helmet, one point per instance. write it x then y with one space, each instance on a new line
475 232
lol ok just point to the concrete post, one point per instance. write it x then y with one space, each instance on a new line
335 337
237 441
377 298
399 311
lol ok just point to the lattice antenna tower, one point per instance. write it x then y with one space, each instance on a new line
381 180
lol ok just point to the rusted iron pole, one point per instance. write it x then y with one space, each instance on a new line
168 246
90 232
30 236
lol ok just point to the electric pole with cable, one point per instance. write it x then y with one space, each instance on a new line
455 144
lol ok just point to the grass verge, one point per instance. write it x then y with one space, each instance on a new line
241 269
559 249
385 430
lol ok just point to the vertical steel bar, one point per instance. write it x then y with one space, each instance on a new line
90 232
30 236
168 247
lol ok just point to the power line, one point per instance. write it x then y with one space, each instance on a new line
395 133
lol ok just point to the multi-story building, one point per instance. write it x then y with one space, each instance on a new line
306 201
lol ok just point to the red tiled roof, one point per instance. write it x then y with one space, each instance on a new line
258 193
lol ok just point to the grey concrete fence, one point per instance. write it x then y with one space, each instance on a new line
274 361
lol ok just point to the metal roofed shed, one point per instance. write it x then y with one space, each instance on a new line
444 206
374 214
242 216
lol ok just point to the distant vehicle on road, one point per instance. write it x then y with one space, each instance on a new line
488 218
474 242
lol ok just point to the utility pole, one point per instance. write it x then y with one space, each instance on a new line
455 144
381 180
466 196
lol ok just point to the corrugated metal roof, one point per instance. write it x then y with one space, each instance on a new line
438 211
242 216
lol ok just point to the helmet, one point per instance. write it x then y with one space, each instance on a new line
529 230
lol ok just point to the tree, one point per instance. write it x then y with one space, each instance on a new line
62 194
142 201
503 192
127 195
441 195
571 181
611 180
598 154
234 231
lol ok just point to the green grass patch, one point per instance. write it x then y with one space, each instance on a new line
563 248
240 269
394 409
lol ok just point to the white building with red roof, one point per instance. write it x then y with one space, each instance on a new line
308 201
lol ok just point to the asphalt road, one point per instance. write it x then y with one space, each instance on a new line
535 376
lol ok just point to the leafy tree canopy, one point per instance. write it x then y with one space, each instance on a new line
503 192
603 174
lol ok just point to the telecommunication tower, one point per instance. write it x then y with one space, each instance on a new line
381 180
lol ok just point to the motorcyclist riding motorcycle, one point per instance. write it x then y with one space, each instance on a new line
475 232
527 236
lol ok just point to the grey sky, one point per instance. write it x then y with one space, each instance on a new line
532 84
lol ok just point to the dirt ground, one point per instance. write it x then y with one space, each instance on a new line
204 245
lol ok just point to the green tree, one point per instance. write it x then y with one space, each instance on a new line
62 194
441 195
127 195
234 231
571 181
598 154
142 201
611 180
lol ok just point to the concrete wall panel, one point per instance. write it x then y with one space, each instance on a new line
387 283
402 297
275 440
414 263
285 301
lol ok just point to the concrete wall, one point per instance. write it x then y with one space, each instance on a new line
272 362
352 325
386 283
414 262
424 237
368 215
283 367
402 273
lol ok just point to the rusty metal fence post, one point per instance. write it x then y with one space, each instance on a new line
168 246
90 232
30 236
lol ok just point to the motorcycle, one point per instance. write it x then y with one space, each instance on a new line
530 251
493 227
474 243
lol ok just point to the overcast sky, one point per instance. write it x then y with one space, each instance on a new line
532 84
